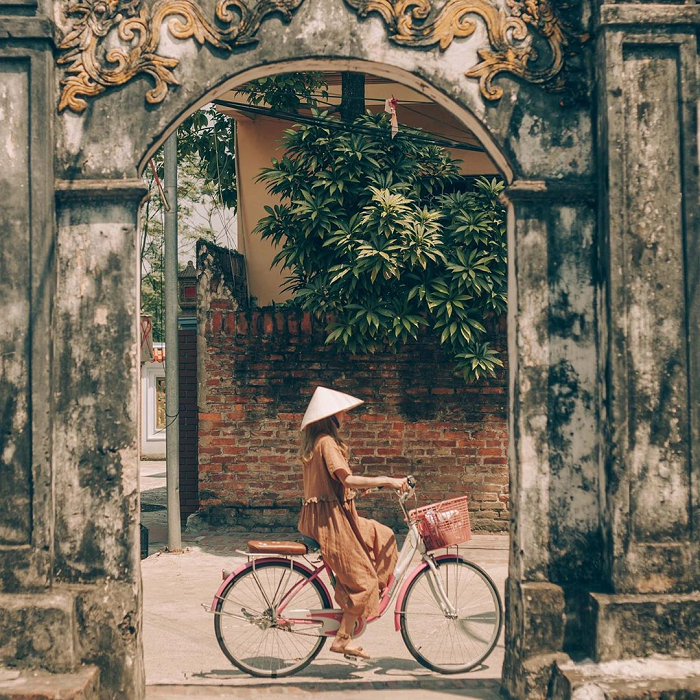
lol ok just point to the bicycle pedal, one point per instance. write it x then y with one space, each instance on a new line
355 660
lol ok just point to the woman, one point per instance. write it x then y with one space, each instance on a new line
361 553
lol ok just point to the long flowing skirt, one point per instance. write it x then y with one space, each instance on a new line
361 571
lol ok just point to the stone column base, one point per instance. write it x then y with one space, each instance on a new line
38 630
83 684
534 637
63 628
630 626
634 679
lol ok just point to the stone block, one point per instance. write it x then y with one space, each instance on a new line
543 606
38 630
536 675
636 679
535 620
83 684
628 626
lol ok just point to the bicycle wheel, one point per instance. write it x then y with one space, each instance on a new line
246 627
452 643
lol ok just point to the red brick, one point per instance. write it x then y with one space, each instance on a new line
306 322
491 452
210 416
255 390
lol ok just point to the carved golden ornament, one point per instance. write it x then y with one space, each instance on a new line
95 65
514 38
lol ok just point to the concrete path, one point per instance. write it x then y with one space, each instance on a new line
183 658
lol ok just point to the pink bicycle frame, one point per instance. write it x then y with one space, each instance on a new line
314 574
318 616
326 617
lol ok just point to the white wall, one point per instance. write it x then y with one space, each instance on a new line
152 433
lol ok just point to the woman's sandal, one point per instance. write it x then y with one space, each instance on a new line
350 652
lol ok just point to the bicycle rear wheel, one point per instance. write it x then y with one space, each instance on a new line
452 643
245 622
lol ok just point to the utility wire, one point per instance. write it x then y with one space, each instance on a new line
404 105
424 137
378 100
229 240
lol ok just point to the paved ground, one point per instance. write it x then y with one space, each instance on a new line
184 660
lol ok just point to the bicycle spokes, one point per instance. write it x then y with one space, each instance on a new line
252 634
451 616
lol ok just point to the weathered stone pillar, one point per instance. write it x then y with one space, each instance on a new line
95 423
36 623
556 540
69 571
647 98
26 291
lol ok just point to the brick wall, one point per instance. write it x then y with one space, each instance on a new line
189 500
257 371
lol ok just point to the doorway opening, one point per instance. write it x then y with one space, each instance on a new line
259 352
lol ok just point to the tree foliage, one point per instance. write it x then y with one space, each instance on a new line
386 237
207 189
206 140
207 137
198 214
287 92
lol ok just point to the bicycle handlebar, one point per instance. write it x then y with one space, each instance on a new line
412 483
410 480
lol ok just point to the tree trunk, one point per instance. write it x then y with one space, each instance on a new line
352 103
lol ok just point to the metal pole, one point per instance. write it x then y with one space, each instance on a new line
172 384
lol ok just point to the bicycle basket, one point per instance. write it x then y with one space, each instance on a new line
443 524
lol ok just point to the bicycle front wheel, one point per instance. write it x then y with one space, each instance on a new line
451 642
248 630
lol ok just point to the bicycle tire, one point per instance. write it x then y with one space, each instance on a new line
414 647
218 616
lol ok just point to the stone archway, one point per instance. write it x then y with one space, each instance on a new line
604 373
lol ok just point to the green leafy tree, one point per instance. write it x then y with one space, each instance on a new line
288 92
207 179
206 141
207 137
385 236
199 216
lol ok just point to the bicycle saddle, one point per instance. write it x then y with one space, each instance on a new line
274 547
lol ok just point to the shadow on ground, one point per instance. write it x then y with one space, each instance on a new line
183 658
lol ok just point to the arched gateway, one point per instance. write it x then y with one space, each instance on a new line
590 112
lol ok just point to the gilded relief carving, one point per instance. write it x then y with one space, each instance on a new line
530 41
93 67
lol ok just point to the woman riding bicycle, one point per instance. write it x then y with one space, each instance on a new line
361 553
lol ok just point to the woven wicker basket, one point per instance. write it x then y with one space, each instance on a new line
443 524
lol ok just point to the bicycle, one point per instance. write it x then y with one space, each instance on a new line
261 634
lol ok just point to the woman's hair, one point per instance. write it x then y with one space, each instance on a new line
325 426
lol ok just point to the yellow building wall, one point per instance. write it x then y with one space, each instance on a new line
258 141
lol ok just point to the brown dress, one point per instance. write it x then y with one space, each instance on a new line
361 571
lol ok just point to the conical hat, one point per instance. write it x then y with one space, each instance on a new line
327 402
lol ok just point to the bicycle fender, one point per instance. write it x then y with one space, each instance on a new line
249 565
398 610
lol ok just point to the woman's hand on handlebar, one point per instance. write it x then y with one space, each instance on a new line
370 483
401 485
